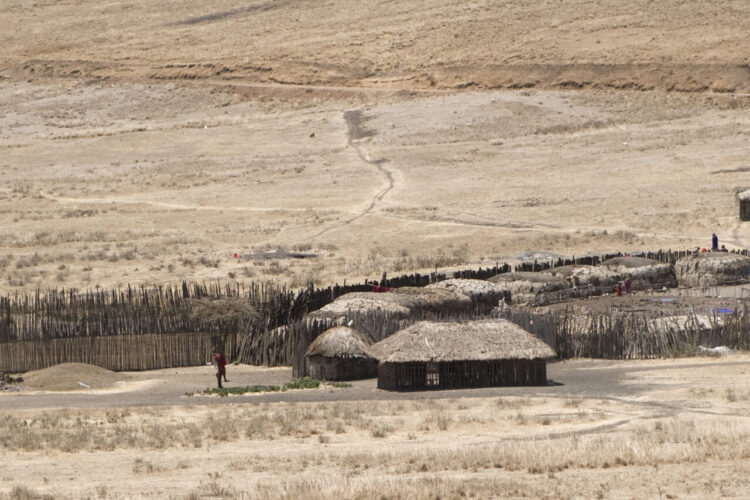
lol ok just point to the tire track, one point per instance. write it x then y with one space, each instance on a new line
355 132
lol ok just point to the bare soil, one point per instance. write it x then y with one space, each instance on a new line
149 143
613 429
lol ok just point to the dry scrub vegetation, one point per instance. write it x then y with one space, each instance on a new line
508 447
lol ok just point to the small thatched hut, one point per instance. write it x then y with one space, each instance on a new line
533 288
586 280
451 355
743 197
340 354
398 304
644 273
712 268
479 291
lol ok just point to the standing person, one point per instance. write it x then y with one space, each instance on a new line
223 364
221 369
628 285
714 242
618 289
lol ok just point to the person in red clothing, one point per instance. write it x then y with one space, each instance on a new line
221 368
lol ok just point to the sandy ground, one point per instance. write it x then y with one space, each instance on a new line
638 429
101 193
149 142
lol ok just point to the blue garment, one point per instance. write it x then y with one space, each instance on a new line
715 242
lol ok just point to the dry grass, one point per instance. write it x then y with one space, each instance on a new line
392 449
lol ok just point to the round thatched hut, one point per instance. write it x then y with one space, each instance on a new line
643 273
533 288
450 355
479 291
398 304
712 268
585 280
743 197
340 354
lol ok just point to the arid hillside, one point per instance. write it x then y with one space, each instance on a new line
634 44
149 142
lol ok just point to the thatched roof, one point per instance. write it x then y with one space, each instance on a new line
339 342
630 262
480 291
540 277
581 275
645 273
460 341
362 303
743 194
712 268
399 303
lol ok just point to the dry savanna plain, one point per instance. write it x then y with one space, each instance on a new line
147 142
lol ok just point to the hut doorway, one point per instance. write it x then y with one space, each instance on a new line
432 375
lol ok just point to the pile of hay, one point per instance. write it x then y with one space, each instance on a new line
712 268
479 291
429 341
588 278
70 377
533 288
643 273
397 304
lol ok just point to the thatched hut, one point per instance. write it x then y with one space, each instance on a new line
340 354
585 280
743 198
479 291
533 288
397 304
643 273
712 268
451 355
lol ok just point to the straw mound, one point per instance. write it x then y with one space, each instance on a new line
400 303
430 299
644 273
361 303
586 276
339 342
65 377
743 194
531 288
479 291
712 268
460 341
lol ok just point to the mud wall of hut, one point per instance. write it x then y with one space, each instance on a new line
461 374
324 368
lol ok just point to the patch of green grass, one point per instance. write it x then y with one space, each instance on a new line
297 383
337 385
302 383
226 391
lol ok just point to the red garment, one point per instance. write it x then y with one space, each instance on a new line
619 290
380 289
221 363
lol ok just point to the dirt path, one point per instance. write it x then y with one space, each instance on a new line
357 131
573 379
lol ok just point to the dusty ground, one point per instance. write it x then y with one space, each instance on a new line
640 429
150 142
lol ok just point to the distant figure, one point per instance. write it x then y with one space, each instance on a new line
618 289
714 242
724 248
501 304
221 368
628 286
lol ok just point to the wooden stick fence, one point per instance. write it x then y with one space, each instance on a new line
56 315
